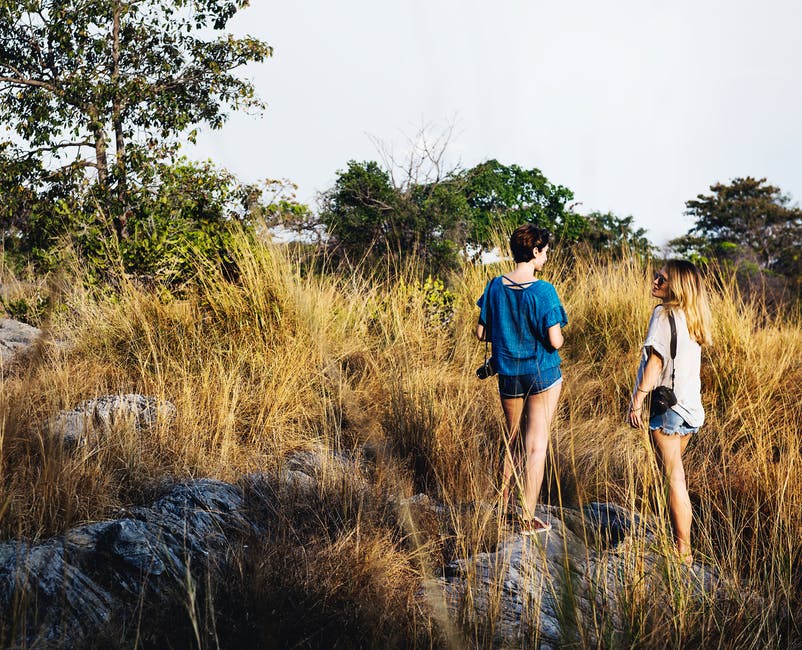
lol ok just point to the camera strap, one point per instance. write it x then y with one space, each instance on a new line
673 348
487 324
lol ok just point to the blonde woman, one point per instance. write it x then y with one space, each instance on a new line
680 288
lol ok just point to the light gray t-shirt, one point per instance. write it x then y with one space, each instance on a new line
687 363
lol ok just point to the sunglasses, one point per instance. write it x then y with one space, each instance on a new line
660 279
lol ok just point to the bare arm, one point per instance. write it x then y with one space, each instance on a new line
480 332
651 375
556 336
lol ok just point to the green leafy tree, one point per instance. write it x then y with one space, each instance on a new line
109 86
747 220
433 218
37 206
366 216
185 214
505 196
182 214
360 212
609 233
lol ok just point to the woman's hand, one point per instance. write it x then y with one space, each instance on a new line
635 417
651 377
480 332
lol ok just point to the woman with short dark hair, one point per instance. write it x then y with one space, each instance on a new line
522 317
671 357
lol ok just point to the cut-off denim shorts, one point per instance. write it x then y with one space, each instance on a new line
510 386
672 424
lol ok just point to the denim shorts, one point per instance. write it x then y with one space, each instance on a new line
524 385
671 423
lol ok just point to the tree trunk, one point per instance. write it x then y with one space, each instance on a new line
121 214
101 148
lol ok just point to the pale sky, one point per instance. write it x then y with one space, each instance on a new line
635 105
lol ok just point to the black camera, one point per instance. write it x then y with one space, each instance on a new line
486 370
663 398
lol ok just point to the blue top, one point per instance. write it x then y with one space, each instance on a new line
517 319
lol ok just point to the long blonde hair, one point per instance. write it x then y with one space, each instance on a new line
687 291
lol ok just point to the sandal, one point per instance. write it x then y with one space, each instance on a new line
534 526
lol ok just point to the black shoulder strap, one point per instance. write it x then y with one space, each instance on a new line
673 344
485 296
487 322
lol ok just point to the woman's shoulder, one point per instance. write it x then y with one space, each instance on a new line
491 282
659 319
664 311
662 315
545 288
491 289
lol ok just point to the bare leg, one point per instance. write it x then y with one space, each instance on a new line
513 408
683 442
540 410
669 450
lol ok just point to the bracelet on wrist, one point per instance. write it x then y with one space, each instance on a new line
640 390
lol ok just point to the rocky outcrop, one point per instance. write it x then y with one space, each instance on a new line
570 585
92 419
96 584
15 337
100 581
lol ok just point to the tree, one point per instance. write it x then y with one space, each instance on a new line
606 232
365 215
747 220
505 196
432 214
109 85
184 212
37 206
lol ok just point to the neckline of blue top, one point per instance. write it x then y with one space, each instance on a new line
513 284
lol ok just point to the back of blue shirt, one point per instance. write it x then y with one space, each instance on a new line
517 319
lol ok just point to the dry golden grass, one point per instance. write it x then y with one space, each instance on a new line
282 359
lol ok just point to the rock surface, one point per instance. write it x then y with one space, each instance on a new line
97 579
102 580
15 337
567 586
95 417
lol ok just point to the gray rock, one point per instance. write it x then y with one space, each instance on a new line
552 588
94 418
96 578
610 524
319 460
102 580
15 337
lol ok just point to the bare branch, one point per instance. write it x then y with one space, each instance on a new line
28 82
75 164
58 146
425 160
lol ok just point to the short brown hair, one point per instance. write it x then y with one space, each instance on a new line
525 239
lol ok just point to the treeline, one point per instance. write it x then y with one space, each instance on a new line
368 214
98 95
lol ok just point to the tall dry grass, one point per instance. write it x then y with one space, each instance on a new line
282 358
